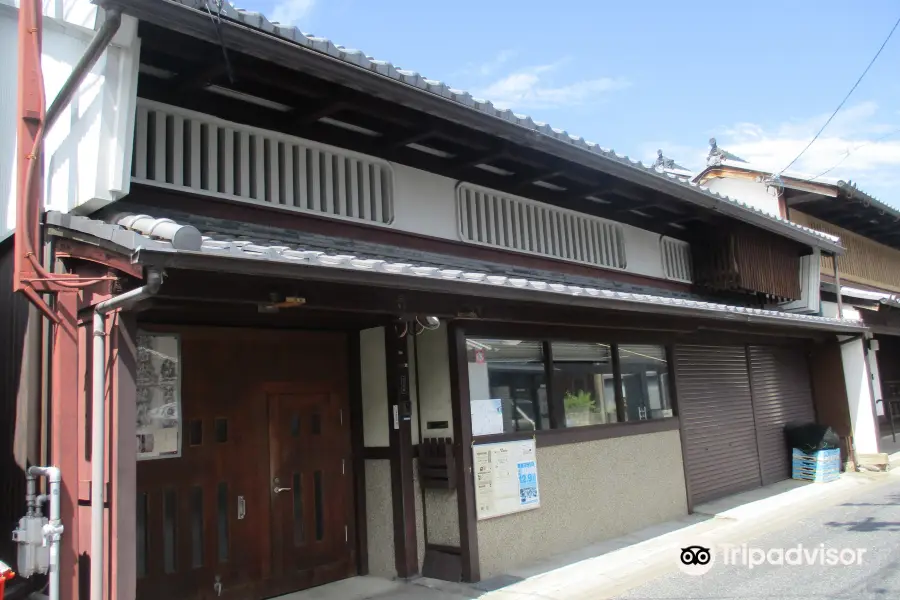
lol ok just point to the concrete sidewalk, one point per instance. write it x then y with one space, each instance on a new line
611 568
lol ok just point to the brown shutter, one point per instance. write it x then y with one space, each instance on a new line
781 394
716 412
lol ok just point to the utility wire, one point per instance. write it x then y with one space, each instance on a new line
841 105
851 151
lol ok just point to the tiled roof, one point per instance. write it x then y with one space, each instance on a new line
186 240
359 59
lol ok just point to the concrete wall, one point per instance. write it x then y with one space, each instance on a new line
753 193
590 492
859 397
87 155
380 519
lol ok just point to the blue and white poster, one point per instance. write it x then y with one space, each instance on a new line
506 478
528 491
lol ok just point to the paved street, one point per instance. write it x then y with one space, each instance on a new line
870 521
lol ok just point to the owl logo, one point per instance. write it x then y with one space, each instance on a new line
696 560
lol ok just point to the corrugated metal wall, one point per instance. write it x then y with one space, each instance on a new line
717 420
13 321
734 402
781 395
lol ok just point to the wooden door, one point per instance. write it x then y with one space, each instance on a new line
209 524
311 485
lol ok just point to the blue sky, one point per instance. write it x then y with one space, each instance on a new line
759 76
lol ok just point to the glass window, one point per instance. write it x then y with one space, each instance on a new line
645 382
507 386
584 383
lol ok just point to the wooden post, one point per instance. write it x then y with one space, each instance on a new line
837 284
401 451
462 436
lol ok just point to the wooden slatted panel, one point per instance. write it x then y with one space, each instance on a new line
176 148
676 257
781 395
491 218
866 261
716 411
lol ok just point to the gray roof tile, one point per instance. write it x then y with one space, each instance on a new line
247 248
415 79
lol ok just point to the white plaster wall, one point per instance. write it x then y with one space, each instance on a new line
589 492
830 310
87 154
373 380
434 381
642 252
862 413
425 203
753 193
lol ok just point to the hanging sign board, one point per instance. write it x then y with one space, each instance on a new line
158 396
506 478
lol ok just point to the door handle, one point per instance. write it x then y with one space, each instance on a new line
278 490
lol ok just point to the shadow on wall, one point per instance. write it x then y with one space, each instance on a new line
76 123
13 320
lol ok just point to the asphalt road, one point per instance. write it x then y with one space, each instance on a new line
871 522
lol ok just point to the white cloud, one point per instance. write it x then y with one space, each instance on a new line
533 87
861 144
291 12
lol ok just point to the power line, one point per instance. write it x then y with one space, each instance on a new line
841 105
851 151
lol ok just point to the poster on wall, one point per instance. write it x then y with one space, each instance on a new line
506 478
487 416
158 396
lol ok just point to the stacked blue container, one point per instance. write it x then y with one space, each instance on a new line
820 466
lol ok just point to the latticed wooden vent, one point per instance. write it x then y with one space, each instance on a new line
676 259
190 151
750 260
492 218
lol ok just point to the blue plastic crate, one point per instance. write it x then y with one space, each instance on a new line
821 466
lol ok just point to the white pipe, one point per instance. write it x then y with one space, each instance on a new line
98 421
53 530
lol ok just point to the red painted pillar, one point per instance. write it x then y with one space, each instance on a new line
64 437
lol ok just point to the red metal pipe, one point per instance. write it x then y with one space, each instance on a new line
34 119
31 106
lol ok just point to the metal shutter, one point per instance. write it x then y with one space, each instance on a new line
781 394
716 411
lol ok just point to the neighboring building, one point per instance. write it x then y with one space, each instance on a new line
868 274
352 280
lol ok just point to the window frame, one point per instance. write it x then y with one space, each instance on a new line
558 434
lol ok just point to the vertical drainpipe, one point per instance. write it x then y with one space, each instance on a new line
98 419
837 283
